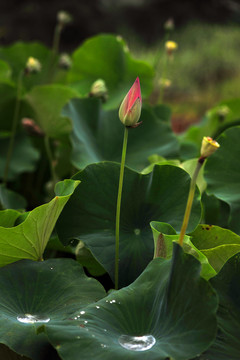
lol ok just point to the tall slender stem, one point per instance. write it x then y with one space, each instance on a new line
56 39
190 200
158 52
55 50
50 159
14 128
164 74
118 210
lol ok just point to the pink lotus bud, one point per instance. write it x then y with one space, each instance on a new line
130 108
31 127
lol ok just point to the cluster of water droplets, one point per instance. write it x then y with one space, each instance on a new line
132 343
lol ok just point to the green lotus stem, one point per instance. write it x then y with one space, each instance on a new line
50 159
55 49
56 39
164 74
190 200
158 52
118 210
14 127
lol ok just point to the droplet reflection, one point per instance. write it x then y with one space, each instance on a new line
137 343
31 319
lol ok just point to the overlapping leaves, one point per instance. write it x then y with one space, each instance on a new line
97 135
29 239
34 293
168 303
90 214
223 176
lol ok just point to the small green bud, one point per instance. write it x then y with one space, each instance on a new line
65 61
99 89
169 25
64 18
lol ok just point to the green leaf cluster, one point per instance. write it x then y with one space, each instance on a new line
58 215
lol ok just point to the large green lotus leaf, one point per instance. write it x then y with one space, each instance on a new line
16 56
196 132
8 354
24 156
216 243
213 124
190 166
169 308
223 176
231 111
86 259
10 199
107 57
8 217
226 283
158 160
90 214
165 236
215 211
5 72
98 135
163 112
47 102
29 239
35 293
7 105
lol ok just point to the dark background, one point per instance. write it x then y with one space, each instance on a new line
35 20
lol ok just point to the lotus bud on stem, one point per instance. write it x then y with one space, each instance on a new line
63 19
32 128
32 66
65 61
170 47
99 89
169 25
129 114
209 146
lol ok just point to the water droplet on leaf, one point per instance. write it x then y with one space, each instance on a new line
137 343
32 319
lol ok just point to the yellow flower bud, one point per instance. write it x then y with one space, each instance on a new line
166 83
33 65
209 146
170 47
